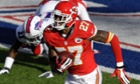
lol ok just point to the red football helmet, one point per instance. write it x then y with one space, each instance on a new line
64 15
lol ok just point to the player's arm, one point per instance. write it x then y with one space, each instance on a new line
83 13
37 12
38 49
10 58
14 48
53 59
108 37
52 56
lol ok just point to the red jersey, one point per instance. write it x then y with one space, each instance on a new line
77 44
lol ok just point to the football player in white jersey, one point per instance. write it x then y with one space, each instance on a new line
29 35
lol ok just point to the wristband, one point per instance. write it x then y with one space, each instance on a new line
120 65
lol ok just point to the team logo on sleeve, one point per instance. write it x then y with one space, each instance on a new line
78 40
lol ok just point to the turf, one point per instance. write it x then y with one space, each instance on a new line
27 67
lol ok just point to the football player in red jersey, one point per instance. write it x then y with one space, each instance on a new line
47 6
75 36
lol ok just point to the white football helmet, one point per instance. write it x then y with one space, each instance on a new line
32 30
64 15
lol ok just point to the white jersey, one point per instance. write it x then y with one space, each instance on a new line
48 6
21 35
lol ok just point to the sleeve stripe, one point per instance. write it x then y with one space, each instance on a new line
110 36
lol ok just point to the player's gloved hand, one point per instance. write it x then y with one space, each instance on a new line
4 71
120 73
63 64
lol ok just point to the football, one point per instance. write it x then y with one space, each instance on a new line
64 61
65 54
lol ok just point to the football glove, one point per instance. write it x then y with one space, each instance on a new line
4 71
63 64
120 73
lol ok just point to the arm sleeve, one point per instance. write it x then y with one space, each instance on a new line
115 45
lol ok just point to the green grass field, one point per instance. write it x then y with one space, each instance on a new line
27 67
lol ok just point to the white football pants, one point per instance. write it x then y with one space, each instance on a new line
95 77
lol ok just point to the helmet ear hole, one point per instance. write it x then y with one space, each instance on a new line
68 12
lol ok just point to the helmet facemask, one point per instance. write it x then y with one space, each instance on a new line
35 40
60 19
64 17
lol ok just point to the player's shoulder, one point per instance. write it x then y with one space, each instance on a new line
79 21
85 27
49 3
50 30
84 24
49 34
20 33
19 28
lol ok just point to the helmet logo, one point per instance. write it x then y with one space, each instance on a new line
38 25
74 10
